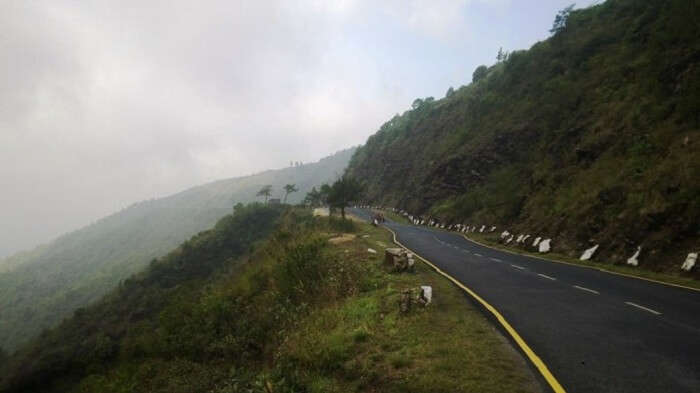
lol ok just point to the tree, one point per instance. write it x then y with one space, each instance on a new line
561 18
345 190
312 198
417 103
324 193
266 191
479 73
502 55
450 92
288 189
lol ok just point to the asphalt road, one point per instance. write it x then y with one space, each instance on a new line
595 331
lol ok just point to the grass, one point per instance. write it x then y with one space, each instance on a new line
363 343
491 240
299 313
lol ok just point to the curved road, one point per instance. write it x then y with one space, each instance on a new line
595 331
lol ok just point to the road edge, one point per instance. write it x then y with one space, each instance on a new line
529 353
600 269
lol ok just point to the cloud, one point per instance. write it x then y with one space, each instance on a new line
104 103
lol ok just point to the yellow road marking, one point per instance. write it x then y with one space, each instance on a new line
536 361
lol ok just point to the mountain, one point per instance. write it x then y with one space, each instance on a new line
589 137
271 299
93 334
40 287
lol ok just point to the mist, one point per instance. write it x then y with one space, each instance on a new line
103 104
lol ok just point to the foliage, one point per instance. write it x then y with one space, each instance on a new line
560 19
586 135
118 326
312 198
479 73
265 191
288 189
344 191
295 315
41 287
501 55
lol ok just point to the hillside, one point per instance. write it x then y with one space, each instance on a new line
270 301
40 287
591 136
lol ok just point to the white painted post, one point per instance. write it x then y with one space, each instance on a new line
633 259
589 253
690 261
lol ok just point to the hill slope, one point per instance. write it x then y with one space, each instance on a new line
591 136
41 287
266 302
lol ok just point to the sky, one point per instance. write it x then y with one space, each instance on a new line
106 103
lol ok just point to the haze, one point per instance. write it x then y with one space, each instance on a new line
103 104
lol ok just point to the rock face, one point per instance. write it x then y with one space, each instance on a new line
690 260
545 245
588 254
633 260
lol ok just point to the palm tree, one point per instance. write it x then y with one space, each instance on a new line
265 191
288 189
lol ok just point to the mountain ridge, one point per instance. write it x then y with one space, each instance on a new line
41 286
589 137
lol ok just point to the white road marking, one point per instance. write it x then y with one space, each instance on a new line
518 267
495 259
478 255
586 289
546 276
643 308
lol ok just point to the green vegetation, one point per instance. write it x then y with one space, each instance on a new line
344 191
591 136
230 312
265 191
288 189
41 287
674 277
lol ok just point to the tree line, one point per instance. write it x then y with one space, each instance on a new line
338 195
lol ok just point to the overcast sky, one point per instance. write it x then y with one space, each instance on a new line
105 103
